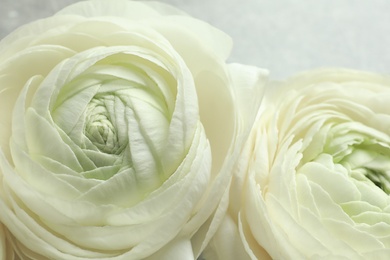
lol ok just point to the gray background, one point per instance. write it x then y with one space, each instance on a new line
284 36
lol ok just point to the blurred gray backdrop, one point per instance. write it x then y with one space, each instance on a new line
284 36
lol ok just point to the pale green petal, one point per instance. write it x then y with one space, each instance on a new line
339 187
193 166
48 142
372 217
123 188
372 194
98 158
40 178
353 208
82 185
184 120
18 122
69 111
150 227
102 172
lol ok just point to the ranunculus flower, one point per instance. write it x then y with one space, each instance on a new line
313 181
119 126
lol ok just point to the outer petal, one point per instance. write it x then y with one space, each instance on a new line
248 88
227 243
133 10
174 21
179 248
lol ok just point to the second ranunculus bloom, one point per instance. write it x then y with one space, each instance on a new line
314 179
120 123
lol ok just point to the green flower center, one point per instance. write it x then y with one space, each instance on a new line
379 178
116 116
363 151
100 129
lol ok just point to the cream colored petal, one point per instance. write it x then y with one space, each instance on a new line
227 243
178 248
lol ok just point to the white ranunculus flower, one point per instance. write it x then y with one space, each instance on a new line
313 181
119 126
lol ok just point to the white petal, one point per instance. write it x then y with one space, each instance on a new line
227 243
133 10
248 84
178 248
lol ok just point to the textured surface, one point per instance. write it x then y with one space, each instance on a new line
284 36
